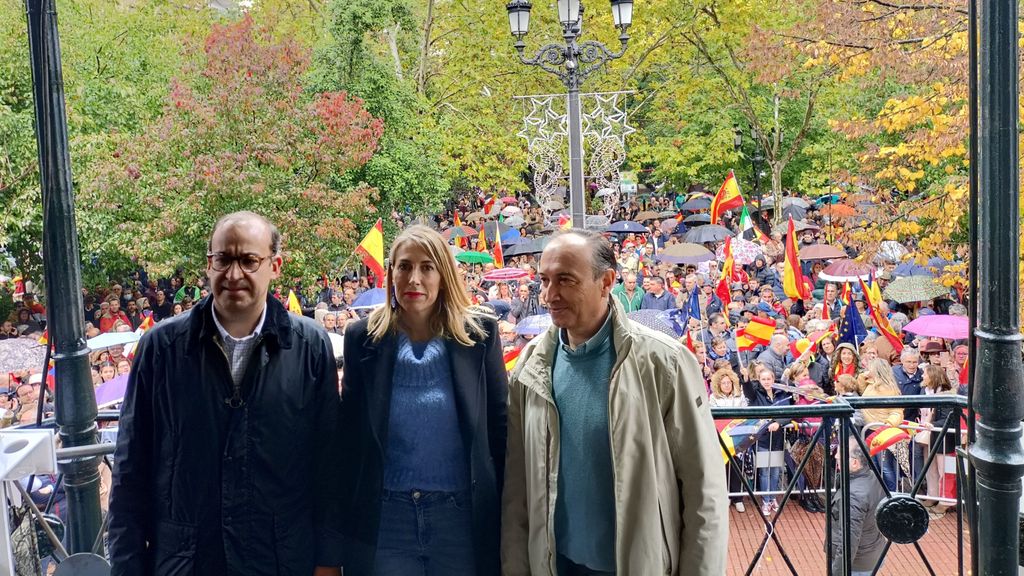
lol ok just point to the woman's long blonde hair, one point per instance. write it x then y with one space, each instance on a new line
880 374
453 316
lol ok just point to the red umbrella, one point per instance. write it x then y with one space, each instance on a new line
510 200
821 252
845 270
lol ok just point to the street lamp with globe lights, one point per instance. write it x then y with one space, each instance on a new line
572 62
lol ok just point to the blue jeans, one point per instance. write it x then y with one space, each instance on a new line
768 480
425 534
887 465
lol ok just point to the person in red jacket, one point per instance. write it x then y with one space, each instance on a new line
112 315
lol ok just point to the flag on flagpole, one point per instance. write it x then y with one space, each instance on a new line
499 255
728 197
45 338
747 229
760 330
881 322
743 342
852 330
826 314
460 242
845 294
510 359
793 282
147 322
481 242
293 303
490 203
372 251
722 290
565 222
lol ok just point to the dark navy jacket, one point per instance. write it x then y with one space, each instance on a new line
203 488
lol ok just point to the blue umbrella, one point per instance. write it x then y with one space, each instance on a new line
626 226
911 269
696 204
534 324
370 299
513 241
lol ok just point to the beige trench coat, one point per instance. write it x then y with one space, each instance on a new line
671 502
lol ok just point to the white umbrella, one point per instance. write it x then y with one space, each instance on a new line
511 210
892 251
112 339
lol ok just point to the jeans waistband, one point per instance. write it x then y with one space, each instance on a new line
421 496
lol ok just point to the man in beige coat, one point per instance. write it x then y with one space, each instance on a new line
613 465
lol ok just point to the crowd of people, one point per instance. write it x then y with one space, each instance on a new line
806 350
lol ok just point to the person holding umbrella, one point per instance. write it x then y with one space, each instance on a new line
423 423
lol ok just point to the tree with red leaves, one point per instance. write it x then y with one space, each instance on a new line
238 132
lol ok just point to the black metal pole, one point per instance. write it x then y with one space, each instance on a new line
75 404
998 397
969 488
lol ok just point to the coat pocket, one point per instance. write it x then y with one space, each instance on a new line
666 548
175 549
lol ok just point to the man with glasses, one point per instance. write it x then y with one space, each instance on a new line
227 450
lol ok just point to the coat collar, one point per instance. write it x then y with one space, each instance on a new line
277 327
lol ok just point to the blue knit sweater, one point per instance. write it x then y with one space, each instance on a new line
585 506
425 449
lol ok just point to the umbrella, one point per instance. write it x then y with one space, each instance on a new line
505 274
506 230
821 252
799 225
531 246
739 435
646 215
534 324
696 205
511 211
515 222
685 254
20 354
597 221
743 251
111 392
827 199
513 241
475 216
795 211
892 250
698 219
911 269
112 339
459 232
372 298
667 214
625 226
672 225
470 257
656 320
794 201
604 192
838 211
846 270
913 289
509 200
940 326
554 205
709 233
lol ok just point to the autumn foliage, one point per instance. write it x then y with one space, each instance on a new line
238 132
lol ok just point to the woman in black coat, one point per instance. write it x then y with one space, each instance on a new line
423 424
769 460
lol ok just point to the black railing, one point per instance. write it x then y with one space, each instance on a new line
901 517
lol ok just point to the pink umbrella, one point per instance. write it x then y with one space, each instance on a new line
846 270
505 274
940 326
743 251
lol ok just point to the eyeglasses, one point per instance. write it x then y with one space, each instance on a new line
249 263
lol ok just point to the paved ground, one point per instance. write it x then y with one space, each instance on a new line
802 536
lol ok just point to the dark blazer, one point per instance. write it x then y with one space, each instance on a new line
202 487
481 394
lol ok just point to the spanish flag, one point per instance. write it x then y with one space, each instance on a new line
499 256
372 251
881 322
45 338
147 323
793 282
722 290
490 204
293 303
728 197
845 294
459 240
743 342
481 242
565 222
760 330
884 437
510 359
826 314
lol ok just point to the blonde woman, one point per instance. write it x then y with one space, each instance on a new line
936 381
423 422
725 390
881 382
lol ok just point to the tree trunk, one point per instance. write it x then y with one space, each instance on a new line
393 44
777 188
424 64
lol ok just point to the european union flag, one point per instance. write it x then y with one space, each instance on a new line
852 330
680 317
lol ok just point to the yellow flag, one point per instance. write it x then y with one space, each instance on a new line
293 303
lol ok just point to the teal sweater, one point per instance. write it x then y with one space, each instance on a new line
585 505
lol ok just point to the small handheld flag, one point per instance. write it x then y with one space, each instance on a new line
793 282
372 251
728 197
